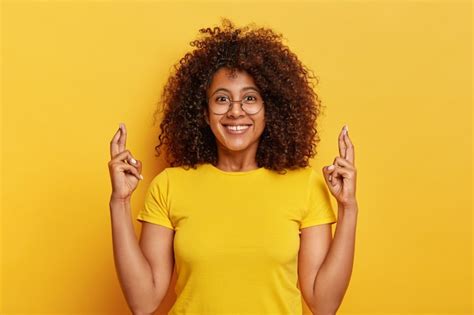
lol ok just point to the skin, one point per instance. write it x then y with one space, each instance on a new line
125 171
341 175
236 153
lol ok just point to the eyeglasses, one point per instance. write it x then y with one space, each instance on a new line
222 104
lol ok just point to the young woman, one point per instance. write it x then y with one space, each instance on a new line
240 213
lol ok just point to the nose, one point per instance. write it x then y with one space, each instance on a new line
236 110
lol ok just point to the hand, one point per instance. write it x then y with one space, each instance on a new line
124 172
341 176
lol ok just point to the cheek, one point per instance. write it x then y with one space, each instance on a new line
217 128
261 125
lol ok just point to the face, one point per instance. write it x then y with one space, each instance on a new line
239 87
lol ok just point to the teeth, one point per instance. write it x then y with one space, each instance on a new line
239 127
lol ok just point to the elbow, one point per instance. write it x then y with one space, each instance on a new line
147 310
150 310
143 312
140 310
151 307
316 312
325 307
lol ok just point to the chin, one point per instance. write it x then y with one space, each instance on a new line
233 145
236 144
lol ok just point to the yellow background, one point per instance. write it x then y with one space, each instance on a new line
399 73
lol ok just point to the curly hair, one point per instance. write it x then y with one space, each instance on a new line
291 106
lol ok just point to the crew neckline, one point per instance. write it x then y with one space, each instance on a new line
230 173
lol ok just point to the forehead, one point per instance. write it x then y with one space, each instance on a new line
223 78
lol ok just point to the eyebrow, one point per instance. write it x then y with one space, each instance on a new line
243 89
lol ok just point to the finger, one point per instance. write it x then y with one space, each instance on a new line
328 170
339 161
349 148
339 173
127 158
342 144
138 165
123 138
132 170
114 148
327 174
120 165
332 177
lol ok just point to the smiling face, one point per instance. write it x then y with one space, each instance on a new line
238 87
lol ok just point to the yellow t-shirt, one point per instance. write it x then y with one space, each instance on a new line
237 236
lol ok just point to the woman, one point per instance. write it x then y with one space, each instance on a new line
240 211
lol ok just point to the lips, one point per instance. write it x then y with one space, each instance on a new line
236 128
225 125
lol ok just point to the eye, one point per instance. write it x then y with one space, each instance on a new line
221 99
250 98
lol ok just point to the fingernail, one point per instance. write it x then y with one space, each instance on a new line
141 176
133 160
330 167
346 129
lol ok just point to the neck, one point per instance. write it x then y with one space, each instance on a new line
237 161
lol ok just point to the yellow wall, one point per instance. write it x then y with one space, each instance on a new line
398 73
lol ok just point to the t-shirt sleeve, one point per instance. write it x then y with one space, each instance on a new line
318 209
156 202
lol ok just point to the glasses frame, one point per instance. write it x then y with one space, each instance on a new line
241 107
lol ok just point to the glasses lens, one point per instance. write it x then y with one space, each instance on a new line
221 106
251 106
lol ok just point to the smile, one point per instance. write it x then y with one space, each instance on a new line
236 129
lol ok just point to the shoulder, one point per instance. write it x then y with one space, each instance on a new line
181 170
301 173
298 177
175 173
307 178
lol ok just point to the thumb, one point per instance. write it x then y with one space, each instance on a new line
326 175
139 166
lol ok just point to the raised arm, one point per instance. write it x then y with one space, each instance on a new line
143 269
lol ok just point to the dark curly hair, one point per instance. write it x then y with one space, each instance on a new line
291 106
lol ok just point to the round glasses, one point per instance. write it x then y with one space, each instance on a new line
222 104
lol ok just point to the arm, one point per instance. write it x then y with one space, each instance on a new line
144 281
333 277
